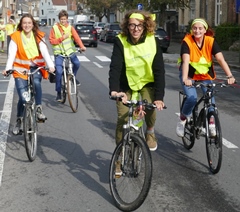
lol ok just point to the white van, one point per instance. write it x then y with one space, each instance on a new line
80 18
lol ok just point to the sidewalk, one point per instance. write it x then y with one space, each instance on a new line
172 55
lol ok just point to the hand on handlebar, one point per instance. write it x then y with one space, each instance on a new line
4 73
51 69
120 94
159 104
187 82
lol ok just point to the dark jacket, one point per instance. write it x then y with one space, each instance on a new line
117 74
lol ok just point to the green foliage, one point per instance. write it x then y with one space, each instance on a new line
226 35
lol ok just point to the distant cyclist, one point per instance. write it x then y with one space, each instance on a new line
137 66
62 37
28 49
197 64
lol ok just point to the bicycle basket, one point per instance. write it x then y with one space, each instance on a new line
52 78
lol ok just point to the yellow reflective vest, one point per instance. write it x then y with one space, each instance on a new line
66 46
138 59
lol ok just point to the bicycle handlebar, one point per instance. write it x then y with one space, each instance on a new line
78 50
131 103
212 85
26 72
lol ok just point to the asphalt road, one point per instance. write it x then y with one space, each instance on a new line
70 172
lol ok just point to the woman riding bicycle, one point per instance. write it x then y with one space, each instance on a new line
197 65
27 49
137 66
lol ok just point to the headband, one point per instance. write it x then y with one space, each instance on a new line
201 21
141 17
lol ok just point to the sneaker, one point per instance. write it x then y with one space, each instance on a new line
2 51
59 97
118 170
212 130
40 114
151 141
18 128
78 83
181 127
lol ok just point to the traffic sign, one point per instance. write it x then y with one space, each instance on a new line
139 6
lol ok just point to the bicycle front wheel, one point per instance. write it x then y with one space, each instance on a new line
72 93
130 189
214 144
30 132
189 133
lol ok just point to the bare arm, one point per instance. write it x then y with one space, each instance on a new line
219 57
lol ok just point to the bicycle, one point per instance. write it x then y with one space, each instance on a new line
30 119
69 86
130 189
198 125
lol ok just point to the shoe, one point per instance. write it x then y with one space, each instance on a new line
40 115
212 130
2 51
18 128
151 141
118 170
78 83
59 97
181 128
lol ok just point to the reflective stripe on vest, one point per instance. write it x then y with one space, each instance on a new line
138 60
200 59
66 46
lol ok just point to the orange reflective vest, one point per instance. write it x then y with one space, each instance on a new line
22 62
201 64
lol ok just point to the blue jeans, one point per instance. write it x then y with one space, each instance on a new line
22 86
191 96
59 69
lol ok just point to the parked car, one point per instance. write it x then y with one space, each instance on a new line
109 32
98 26
163 37
87 33
42 23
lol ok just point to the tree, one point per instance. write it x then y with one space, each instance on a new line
103 8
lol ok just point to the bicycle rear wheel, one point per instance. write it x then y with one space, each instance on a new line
130 189
30 132
72 93
214 145
63 91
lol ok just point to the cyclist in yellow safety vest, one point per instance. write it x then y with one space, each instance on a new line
137 67
62 37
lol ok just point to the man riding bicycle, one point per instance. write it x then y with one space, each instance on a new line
61 37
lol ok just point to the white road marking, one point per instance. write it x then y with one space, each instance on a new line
4 123
99 66
3 92
103 58
226 143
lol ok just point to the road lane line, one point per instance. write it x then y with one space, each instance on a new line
228 144
98 65
4 123
103 58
